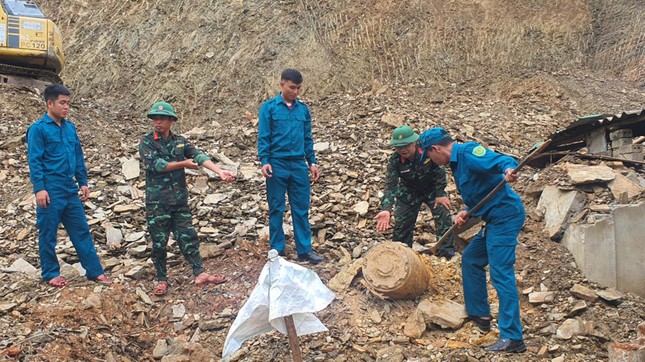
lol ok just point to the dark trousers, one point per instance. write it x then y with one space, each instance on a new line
406 213
161 220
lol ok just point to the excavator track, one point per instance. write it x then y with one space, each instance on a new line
40 74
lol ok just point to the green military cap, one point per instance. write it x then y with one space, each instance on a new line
162 109
403 135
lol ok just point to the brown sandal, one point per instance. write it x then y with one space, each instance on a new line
58 282
160 289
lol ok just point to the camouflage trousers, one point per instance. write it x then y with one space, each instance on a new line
406 212
162 219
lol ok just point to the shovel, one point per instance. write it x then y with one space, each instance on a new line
535 150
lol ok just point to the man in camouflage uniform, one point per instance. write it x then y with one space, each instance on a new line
165 155
411 182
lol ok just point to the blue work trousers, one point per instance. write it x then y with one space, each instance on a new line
65 207
291 177
494 246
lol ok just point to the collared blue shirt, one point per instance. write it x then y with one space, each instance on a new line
477 171
284 132
55 156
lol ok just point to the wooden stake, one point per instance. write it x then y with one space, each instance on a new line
293 339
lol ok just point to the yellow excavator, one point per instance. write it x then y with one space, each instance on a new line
30 44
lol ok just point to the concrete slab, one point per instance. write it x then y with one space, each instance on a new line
630 248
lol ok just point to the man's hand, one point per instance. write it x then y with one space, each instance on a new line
226 176
267 171
510 175
42 198
85 193
382 221
315 173
462 217
189 163
442 201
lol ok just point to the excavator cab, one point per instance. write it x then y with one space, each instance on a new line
30 44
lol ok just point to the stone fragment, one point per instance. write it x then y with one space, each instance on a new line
415 325
126 208
161 349
375 315
446 313
622 185
583 174
213 324
6 307
390 354
558 207
611 295
583 293
130 168
214 199
321 146
209 250
570 328
541 297
93 300
114 237
627 352
361 208
578 308
344 278
144 297
136 273
178 311
20 265
135 236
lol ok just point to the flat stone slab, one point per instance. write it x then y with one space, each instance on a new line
582 174
446 313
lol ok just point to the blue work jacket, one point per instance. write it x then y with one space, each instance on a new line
55 156
477 171
285 133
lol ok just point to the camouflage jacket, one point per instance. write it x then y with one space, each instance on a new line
167 187
411 178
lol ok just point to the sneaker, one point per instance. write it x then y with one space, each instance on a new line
311 257
507 345
482 324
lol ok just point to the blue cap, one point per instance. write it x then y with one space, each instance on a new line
430 138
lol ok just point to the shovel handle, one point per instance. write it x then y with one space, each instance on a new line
490 195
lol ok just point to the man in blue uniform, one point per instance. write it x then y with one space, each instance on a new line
477 171
286 150
56 171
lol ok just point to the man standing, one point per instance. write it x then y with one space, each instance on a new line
477 171
411 182
285 148
165 154
56 170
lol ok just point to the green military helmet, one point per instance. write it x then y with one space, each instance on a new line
162 109
403 135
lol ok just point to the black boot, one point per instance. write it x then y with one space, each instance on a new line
507 345
482 324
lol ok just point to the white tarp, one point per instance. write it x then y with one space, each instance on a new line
283 289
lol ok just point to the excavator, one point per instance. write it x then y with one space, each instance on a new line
30 44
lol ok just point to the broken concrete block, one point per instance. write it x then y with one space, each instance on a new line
446 313
558 207
584 293
582 174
